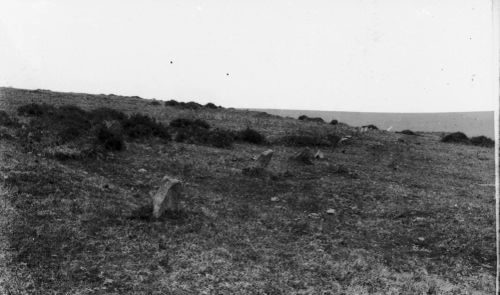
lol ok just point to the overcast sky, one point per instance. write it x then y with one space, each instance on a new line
351 55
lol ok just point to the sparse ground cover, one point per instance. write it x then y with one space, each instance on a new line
412 215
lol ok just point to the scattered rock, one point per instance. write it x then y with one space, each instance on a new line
167 197
330 211
274 199
421 239
142 170
319 155
305 156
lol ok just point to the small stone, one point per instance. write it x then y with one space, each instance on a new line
421 239
142 170
330 211
274 199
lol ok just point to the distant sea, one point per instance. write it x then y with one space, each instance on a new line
470 123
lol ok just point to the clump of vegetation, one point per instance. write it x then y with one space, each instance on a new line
105 128
220 138
334 122
407 132
110 139
101 114
456 137
191 105
142 126
304 140
188 123
251 136
311 119
155 103
211 106
172 103
6 120
371 127
198 132
35 109
482 141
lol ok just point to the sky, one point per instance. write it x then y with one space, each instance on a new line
347 55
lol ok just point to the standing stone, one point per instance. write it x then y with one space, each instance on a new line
319 155
304 156
261 163
264 159
167 197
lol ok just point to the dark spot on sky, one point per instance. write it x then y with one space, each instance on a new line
227 74
171 62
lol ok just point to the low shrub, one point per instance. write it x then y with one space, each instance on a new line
370 127
6 120
482 141
407 132
220 138
142 126
69 133
102 114
311 119
155 103
35 109
310 140
334 122
172 103
455 137
192 105
211 106
251 136
110 140
188 123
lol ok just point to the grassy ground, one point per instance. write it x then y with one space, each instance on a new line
412 215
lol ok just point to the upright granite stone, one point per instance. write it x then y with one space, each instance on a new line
319 155
167 197
264 159
305 156
261 163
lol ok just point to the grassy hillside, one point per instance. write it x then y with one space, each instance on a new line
413 215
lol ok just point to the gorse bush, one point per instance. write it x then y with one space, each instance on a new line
108 114
407 132
334 122
482 141
304 140
104 127
188 123
6 120
251 136
190 105
456 137
172 103
312 119
35 109
211 106
142 126
220 138
371 127
109 139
